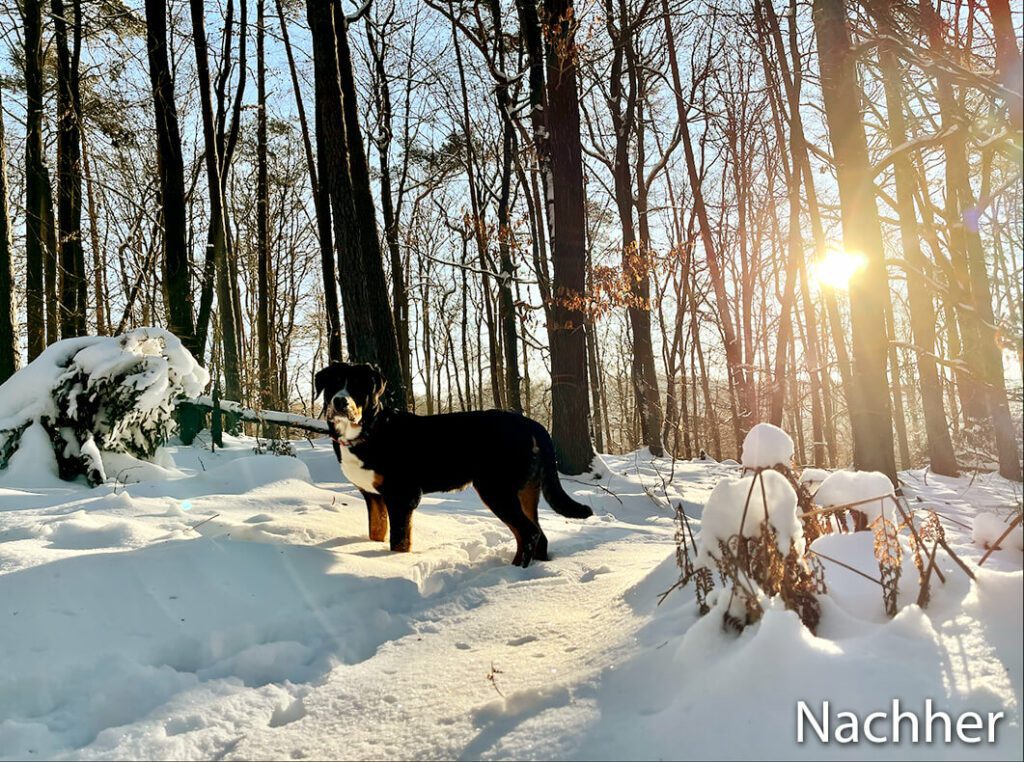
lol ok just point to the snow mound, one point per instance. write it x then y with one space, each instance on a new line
766 446
728 513
812 477
989 527
99 393
844 487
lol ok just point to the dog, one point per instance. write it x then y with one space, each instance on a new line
395 457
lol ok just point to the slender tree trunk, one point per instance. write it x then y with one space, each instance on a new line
506 307
36 184
99 259
389 211
263 334
570 404
9 351
981 348
170 166
870 415
69 176
734 360
322 206
218 238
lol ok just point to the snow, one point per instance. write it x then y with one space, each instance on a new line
229 605
740 506
844 487
989 527
813 477
766 446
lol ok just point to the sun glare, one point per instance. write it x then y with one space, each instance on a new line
837 268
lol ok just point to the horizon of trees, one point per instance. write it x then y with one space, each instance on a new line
647 223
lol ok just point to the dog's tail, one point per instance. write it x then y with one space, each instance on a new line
555 496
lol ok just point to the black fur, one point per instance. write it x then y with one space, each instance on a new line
507 457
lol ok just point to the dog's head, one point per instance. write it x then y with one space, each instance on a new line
352 395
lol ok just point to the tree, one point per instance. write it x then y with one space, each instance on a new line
870 412
942 458
369 322
9 354
170 166
321 205
263 335
218 231
570 403
37 186
73 293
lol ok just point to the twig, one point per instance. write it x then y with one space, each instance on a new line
211 518
846 566
1010 527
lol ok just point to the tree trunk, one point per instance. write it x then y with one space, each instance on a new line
1008 61
322 205
738 377
9 350
506 306
263 335
389 210
36 184
69 175
570 404
870 414
977 323
218 230
369 323
170 166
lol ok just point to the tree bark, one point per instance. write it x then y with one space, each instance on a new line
570 404
9 351
738 377
218 231
870 413
263 335
36 183
170 167
369 322
69 173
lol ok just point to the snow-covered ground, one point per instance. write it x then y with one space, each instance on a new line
229 605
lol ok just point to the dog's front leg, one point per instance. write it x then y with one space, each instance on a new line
377 513
400 508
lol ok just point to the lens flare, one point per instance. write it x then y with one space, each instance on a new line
837 268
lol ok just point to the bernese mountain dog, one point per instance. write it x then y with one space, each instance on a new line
395 457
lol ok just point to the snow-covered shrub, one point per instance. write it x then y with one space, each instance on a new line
990 527
275 447
752 535
767 446
97 393
869 493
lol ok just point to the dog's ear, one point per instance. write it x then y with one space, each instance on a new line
335 370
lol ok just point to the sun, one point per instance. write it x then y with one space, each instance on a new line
837 268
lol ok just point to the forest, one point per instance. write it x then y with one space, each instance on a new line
645 223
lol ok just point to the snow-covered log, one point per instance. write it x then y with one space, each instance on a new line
206 403
98 393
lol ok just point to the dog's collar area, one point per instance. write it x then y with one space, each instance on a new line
349 443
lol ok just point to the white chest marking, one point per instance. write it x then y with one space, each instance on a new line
356 472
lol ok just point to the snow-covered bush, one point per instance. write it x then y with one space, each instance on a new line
752 535
767 446
869 493
97 393
990 527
